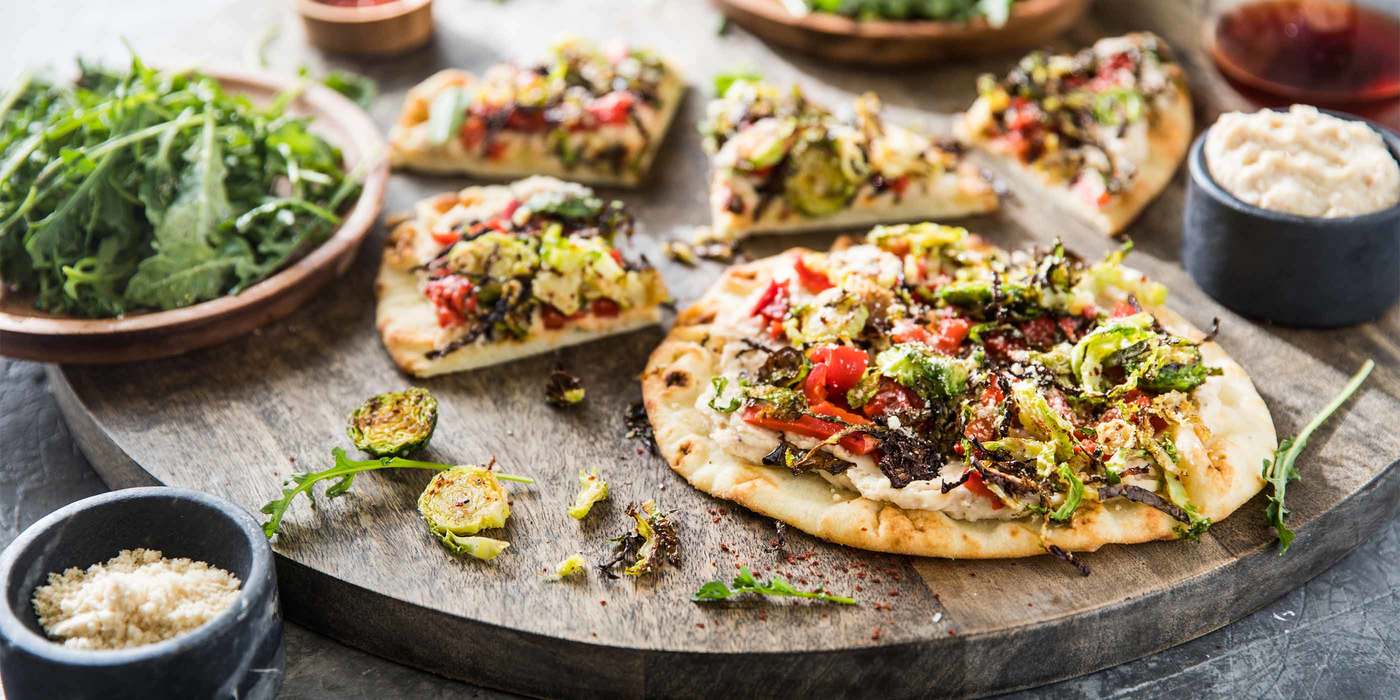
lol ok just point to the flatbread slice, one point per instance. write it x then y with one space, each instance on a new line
782 164
709 392
1099 132
585 114
492 274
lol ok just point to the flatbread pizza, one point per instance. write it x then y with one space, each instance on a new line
588 114
926 393
492 274
781 163
1099 132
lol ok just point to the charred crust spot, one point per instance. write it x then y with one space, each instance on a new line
684 449
744 273
677 378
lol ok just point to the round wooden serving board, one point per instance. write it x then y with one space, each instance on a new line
235 420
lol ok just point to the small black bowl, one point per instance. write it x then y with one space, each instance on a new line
238 654
1295 270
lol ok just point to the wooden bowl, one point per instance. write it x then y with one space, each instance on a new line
392 28
892 42
27 333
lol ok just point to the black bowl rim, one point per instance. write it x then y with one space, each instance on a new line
1200 173
255 588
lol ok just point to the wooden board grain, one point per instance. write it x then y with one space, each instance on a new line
236 419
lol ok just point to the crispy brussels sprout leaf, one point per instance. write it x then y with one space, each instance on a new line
745 583
572 565
592 489
563 389
394 424
483 548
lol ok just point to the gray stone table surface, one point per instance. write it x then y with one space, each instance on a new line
1338 636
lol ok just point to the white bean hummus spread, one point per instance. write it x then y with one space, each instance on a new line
1303 162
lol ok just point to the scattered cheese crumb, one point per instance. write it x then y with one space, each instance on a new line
136 598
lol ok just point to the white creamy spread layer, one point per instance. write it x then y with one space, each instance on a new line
1303 162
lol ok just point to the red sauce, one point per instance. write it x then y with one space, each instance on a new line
1318 51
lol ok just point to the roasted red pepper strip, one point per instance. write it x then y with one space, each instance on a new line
844 366
811 280
975 484
812 427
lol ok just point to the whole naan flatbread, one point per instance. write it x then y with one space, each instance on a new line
680 369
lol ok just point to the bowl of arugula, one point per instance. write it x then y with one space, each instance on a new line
146 213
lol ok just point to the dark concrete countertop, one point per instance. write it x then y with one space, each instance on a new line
1338 636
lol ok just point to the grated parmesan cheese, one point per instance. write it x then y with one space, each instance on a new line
136 598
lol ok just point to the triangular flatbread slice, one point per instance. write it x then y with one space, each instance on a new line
492 274
780 163
590 115
1099 132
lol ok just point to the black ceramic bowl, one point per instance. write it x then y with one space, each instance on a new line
237 654
1295 270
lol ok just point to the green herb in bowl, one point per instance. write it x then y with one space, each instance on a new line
144 189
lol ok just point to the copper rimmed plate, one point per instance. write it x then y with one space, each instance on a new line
33 335
894 42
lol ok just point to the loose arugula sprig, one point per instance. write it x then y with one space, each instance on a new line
1280 470
344 471
777 586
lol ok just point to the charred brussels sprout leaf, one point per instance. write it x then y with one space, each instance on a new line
483 548
395 423
651 542
1177 377
1072 498
592 489
564 389
777 587
786 367
932 377
572 565
565 205
816 184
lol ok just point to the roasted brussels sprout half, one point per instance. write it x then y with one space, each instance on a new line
464 500
592 489
394 424
564 389
816 184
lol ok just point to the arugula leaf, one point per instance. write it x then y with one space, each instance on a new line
1281 469
362 89
777 586
187 268
343 472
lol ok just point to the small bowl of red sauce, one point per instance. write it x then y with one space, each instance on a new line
367 27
